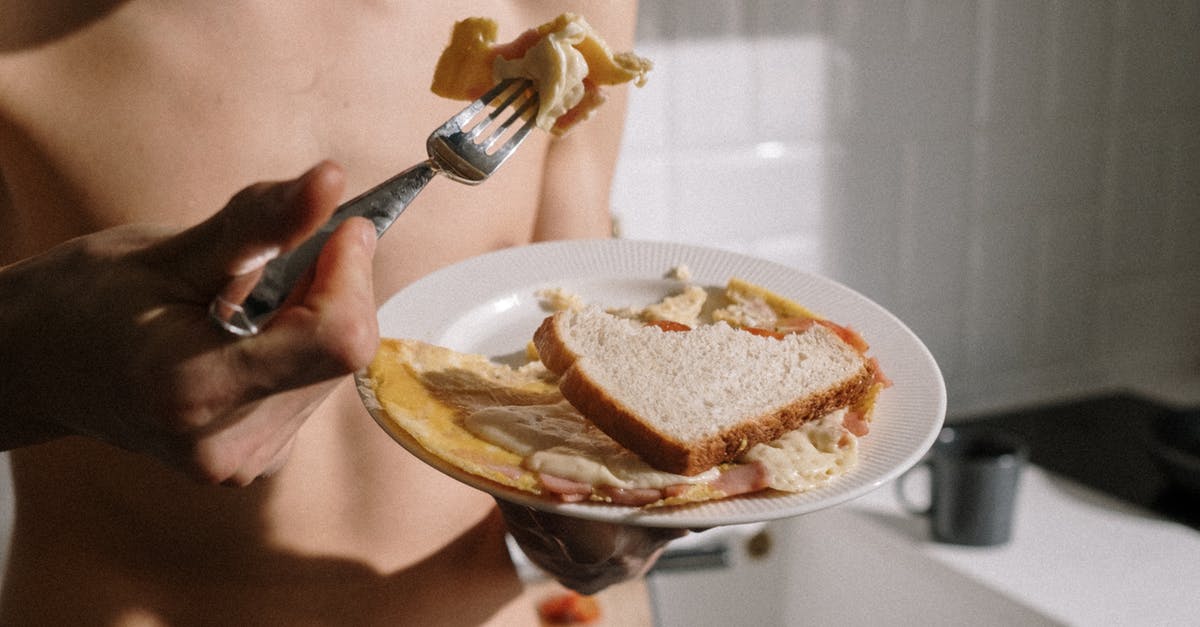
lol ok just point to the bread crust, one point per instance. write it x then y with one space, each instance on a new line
665 452
551 348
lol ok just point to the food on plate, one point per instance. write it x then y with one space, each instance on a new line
549 427
566 59
688 400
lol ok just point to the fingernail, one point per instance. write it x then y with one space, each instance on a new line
257 261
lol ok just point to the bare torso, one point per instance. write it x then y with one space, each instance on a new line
159 112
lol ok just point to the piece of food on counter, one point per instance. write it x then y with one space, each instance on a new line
566 59
569 608
515 426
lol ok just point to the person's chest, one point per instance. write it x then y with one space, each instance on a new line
154 116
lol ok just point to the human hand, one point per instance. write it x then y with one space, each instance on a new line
585 555
108 335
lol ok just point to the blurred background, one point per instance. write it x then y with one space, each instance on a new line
1019 182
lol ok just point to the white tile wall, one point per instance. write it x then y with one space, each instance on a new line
1017 180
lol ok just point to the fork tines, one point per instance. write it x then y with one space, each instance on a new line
508 92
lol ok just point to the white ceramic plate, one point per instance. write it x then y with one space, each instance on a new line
487 305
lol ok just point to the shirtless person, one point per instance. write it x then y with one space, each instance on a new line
125 409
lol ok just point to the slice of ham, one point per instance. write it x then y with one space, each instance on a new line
633 497
565 489
880 378
742 479
855 422
512 472
733 480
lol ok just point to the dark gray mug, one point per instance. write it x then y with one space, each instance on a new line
974 473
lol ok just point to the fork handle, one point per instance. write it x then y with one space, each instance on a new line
381 204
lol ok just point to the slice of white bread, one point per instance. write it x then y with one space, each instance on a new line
685 401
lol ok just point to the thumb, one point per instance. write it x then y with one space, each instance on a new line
259 222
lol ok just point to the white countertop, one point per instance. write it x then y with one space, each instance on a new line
1076 555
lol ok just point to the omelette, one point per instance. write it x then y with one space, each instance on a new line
511 425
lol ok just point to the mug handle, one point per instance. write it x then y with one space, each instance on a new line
902 494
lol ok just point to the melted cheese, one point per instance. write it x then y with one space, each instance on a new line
558 299
683 307
808 457
566 59
753 306
557 440
556 67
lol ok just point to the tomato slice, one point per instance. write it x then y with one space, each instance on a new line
669 325
763 332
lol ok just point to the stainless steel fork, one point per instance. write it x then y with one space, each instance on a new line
457 149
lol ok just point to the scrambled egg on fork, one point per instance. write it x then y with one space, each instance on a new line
566 59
